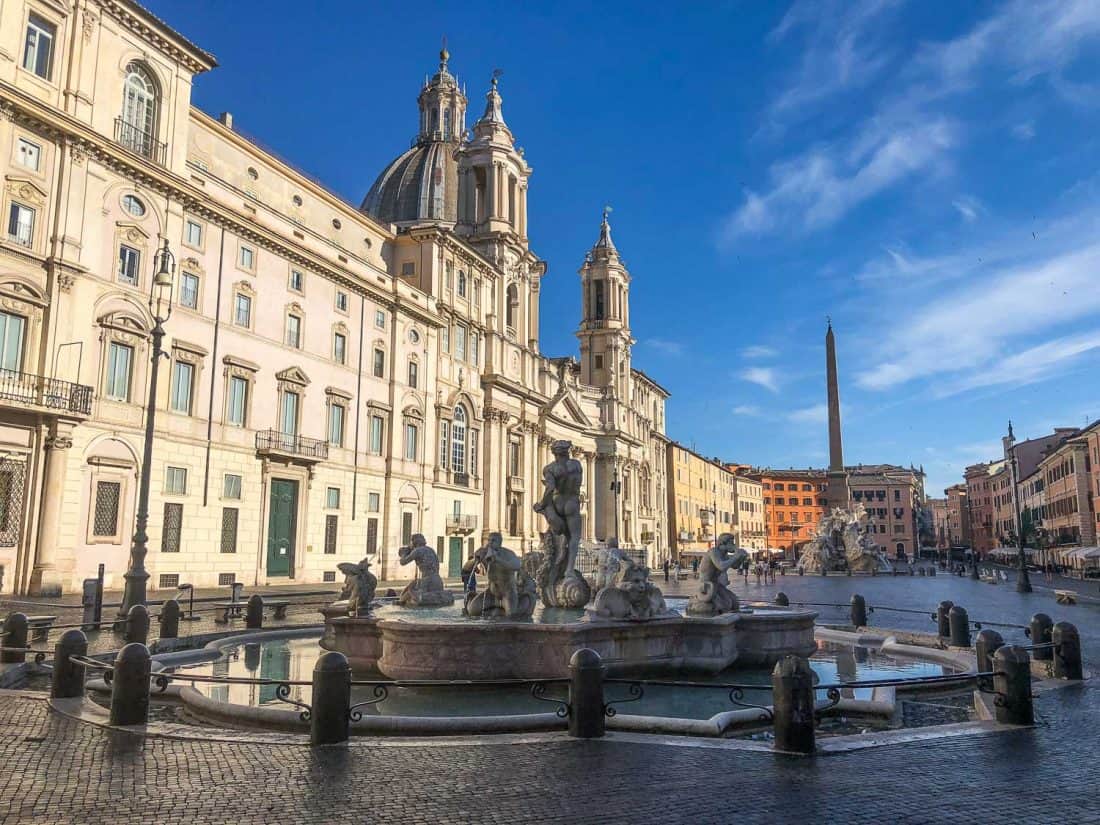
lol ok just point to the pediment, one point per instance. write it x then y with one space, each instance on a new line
132 232
25 190
293 375
567 402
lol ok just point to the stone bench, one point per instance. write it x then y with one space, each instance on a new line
234 610
1065 596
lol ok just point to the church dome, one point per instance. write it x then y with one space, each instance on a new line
422 183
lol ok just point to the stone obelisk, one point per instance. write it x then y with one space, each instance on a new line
836 487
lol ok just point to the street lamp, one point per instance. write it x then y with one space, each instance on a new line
160 307
1023 580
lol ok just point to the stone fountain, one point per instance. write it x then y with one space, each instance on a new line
843 542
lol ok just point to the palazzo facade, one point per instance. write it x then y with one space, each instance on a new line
337 378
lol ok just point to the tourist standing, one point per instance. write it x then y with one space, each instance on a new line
664 566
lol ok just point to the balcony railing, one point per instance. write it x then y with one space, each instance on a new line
139 141
25 388
461 523
273 441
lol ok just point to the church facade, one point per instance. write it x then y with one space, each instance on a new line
338 377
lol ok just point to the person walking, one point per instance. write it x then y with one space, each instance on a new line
695 567
664 566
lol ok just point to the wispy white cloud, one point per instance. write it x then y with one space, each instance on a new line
970 208
665 346
748 410
763 376
759 351
817 414
1029 365
843 49
1024 131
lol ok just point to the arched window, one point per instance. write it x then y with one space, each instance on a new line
139 111
512 302
461 283
458 440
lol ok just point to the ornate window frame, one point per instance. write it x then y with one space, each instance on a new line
192 266
119 471
291 379
340 328
245 288
295 310
28 194
122 327
184 352
20 298
235 367
336 397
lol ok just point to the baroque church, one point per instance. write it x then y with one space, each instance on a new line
337 377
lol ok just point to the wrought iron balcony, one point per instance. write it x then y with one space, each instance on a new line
461 523
273 441
139 141
26 388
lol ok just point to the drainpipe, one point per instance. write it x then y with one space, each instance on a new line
213 371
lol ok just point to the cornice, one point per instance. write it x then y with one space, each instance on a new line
154 30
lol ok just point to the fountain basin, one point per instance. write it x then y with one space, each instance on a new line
501 649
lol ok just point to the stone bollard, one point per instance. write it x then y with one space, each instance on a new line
921 572
782 600
859 611
170 619
14 635
943 627
793 705
89 601
931 571
782 571
1067 652
1012 683
874 571
329 721
130 683
958 623
136 626
848 572
1040 629
254 612
67 681
801 571
586 705
986 644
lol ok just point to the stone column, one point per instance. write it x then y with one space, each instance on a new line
490 190
45 579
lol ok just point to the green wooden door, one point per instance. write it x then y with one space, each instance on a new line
454 559
281 525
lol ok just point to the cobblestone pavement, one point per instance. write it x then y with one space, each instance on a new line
61 771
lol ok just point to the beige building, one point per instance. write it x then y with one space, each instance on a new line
958 516
337 378
701 500
751 530
894 499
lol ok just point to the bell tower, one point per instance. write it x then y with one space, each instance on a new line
493 178
442 106
604 333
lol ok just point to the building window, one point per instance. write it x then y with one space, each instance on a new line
119 363
21 224
336 425
374 502
133 206
460 342
444 443
38 49
372 535
445 339
293 331
471 451
477 292
380 319
237 401
413 370
332 498
406 528
288 414
139 111
408 269
231 486
458 440
297 280
189 290
173 525
175 481
183 376
242 310
379 363
377 427
28 155
246 258
107 497
330 534
461 284
192 233
341 301
475 348
513 458
230 516
412 432
511 303
129 265
339 348
11 341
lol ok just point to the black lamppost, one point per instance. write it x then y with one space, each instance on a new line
1023 580
160 307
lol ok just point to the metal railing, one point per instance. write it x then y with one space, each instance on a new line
139 141
275 441
461 521
52 393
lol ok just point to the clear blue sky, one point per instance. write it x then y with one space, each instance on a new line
926 173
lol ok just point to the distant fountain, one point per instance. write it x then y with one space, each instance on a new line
843 542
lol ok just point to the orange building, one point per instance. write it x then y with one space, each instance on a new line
794 502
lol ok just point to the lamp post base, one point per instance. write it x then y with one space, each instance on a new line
1023 581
